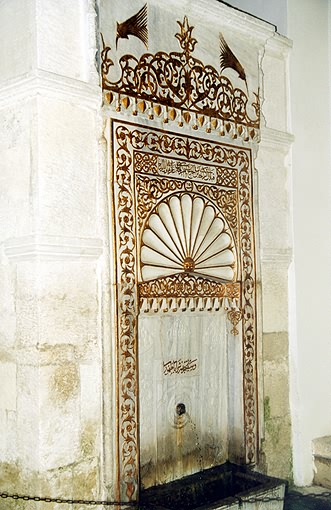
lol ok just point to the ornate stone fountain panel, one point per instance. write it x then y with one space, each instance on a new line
184 236
184 243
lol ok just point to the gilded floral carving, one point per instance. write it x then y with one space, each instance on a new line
178 85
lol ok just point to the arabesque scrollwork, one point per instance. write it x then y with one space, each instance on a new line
248 313
179 86
127 351
184 285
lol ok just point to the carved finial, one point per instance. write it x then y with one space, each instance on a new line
228 59
185 38
136 25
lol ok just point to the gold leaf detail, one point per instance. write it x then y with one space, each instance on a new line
136 26
157 110
187 117
126 102
144 77
191 245
201 120
214 123
142 106
228 59
172 114
109 96
235 317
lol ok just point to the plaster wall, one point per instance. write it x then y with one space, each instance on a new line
310 345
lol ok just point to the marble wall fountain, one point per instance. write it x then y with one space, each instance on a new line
146 143
185 120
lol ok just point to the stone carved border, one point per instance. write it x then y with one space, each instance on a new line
127 139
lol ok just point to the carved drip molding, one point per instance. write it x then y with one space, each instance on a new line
178 87
42 247
193 304
185 292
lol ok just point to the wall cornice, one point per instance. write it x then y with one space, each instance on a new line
279 45
276 139
54 248
276 256
48 84
239 20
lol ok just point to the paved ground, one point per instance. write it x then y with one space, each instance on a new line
308 498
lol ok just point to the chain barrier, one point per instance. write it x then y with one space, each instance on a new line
292 496
68 501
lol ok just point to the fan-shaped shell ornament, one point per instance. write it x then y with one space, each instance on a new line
187 235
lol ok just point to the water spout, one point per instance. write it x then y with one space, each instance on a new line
180 409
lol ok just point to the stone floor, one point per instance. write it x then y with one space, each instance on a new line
308 498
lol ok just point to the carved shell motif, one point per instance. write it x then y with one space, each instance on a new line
185 234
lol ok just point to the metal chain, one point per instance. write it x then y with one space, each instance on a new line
264 499
5 495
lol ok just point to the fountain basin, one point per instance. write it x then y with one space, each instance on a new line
228 486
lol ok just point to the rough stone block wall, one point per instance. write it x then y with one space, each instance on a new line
50 356
275 254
